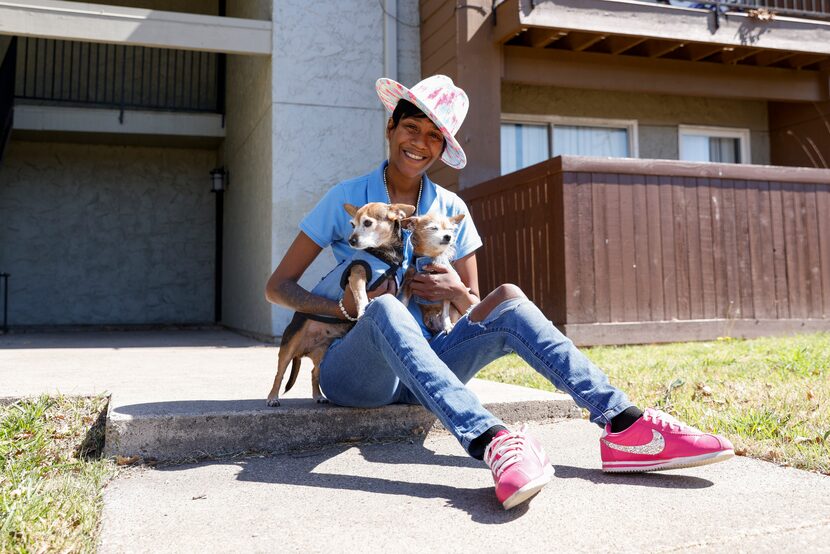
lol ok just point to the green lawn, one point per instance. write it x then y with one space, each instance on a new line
770 396
51 474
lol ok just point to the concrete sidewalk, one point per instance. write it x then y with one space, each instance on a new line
409 492
427 496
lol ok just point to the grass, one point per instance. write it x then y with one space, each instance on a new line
52 474
770 396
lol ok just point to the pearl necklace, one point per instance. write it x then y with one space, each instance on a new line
420 189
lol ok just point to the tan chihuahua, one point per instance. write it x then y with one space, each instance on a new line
433 242
378 240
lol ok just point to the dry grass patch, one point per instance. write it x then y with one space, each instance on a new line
52 474
770 396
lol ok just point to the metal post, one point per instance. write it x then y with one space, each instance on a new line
5 277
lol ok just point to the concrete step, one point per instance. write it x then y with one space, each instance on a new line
196 429
189 394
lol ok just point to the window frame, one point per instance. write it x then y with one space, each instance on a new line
630 125
739 133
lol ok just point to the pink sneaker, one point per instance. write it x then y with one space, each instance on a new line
658 441
520 466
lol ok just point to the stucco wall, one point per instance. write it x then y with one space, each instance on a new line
95 234
658 115
327 120
248 151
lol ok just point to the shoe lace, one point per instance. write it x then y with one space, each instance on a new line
663 419
504 451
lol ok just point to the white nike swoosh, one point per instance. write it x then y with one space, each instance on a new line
655 446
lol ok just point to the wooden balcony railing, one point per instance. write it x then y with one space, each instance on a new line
624 251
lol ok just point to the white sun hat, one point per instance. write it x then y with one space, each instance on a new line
443 102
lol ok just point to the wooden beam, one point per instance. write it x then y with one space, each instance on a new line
587 70
541 38
801 60
769 57
617 44
578 42
659 48
507 21
697 51
734 55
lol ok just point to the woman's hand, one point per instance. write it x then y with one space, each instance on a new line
437 282
388 287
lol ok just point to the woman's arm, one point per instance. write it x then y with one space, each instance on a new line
282 287
460 288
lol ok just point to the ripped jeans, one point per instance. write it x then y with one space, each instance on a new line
385 359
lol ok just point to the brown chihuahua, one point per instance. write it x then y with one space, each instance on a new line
378 241
433 242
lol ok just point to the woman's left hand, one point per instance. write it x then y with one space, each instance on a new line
437 283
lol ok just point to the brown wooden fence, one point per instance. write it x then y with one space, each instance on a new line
619 251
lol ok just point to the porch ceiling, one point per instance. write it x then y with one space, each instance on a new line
58 19
645 30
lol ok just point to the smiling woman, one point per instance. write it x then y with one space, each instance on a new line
389 356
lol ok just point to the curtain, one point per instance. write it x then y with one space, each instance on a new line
523 145
590 141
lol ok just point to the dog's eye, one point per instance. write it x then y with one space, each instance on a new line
367 223
432 228
352 224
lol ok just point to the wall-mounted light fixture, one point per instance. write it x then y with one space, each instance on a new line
218 179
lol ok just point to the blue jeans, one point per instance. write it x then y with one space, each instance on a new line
385 359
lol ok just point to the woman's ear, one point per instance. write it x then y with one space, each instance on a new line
390 126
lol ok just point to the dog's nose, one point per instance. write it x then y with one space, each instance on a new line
447 238
352 240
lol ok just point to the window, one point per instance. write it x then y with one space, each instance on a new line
714 144
527 140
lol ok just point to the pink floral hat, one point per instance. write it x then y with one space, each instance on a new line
443 102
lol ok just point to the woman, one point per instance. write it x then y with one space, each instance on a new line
389 356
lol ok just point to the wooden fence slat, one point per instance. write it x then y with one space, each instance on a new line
655 247
587 261
809 197
600 202
707 260
795 283
743 246
681 249
823 207
614 251
761 306
642 268
694 249
779 250
719 249
668 248
628 258
733 294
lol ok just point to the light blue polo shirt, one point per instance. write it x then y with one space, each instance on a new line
328 223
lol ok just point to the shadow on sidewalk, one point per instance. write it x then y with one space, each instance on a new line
300 469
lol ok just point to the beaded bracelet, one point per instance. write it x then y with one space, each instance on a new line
344 312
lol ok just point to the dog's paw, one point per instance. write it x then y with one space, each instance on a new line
272 402
322 400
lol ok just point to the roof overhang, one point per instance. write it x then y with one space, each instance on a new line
632 28
57 19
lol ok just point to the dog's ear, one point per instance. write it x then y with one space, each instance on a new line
457 218
350 209
399 211
409 222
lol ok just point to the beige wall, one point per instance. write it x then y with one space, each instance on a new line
657 115
247 152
